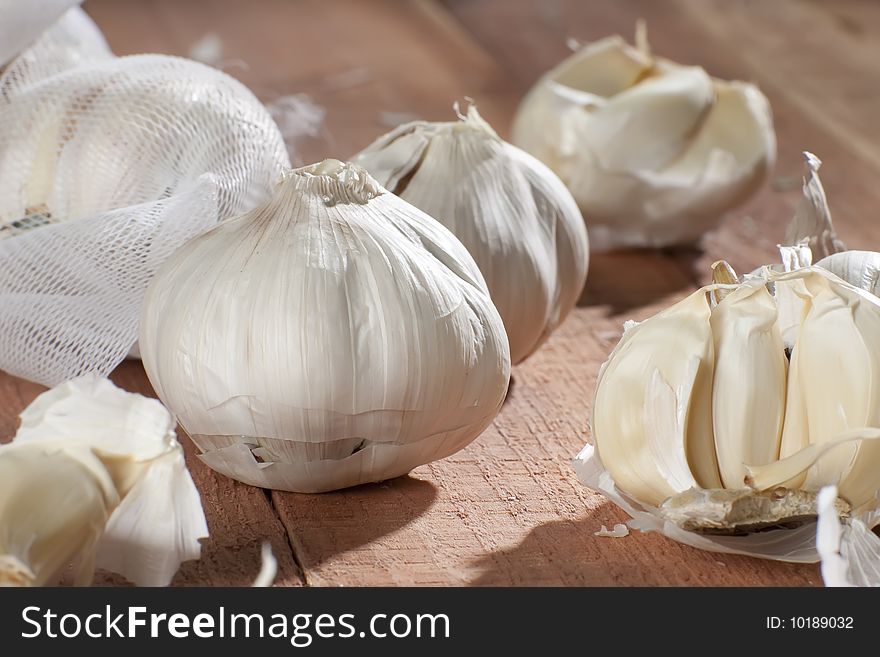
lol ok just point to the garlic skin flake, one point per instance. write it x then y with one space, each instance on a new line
517 220
95 476
783 429
333 336
812 232
654 152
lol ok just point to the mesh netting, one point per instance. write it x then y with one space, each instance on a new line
107 165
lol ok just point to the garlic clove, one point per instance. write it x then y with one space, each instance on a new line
748 387
95 475
859 268
658 117
515 217
606 67
53 508
652 419
840 324
820 465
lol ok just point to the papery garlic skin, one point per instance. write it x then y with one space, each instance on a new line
812 424
515 217
654 152
95 476
336 335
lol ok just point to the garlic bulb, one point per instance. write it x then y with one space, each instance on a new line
96 476
512 213
654 152
333 336
702 423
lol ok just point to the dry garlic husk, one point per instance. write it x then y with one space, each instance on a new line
333 336
654 152
96 477
850 551
512 213
812 236
703 425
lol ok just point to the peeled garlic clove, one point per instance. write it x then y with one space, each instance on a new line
748 387
516 219
653 152
333 336
95 476
652 419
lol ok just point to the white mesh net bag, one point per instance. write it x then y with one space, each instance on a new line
107 165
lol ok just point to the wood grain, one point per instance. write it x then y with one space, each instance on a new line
508 510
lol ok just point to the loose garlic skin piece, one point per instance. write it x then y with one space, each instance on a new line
333 336
517 220
654 152
806 428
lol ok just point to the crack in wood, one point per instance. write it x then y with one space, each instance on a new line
288 537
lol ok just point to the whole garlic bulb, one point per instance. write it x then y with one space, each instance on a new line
512 213
702 420
654 152
333 336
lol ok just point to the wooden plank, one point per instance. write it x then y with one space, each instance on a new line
506 510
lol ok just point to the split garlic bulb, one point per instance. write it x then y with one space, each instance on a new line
512 213
730 416
95 476
333 336
654 152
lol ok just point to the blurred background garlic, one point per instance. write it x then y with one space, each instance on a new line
729 417
107 165
515 217
95 477
654 152
333 336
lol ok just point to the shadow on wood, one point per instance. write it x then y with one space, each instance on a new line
579 558
325 525
626 280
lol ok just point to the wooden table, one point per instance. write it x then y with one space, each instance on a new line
508 510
